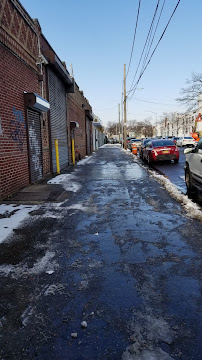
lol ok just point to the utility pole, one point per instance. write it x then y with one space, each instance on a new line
119 123
124 102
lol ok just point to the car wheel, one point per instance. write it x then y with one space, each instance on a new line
188 179
176 161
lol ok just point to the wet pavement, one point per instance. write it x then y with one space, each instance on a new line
119 254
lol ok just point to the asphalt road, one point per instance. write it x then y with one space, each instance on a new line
175 172
119 254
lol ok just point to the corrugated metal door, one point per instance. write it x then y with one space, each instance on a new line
35 145
58 119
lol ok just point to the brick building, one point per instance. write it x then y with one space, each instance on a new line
19 74
80 111
38 102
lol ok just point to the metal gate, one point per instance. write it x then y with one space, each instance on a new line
58 119
35 145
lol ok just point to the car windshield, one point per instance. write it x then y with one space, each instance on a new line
188 137
146 141
159 143
135 140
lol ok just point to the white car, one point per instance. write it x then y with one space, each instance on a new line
186 141
193 167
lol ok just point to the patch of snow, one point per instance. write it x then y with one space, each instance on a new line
42 263
68 181
148 332
81 207
87 159
12 216
192 209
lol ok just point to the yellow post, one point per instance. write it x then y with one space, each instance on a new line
57 157
73 152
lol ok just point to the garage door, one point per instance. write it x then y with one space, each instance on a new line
58 119
35 145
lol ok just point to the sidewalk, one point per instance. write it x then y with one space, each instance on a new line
112 272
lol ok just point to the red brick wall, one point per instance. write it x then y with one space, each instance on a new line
76 112
15 78
18 73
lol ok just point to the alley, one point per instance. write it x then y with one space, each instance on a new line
112 272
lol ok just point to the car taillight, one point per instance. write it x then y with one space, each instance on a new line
176 149
154 151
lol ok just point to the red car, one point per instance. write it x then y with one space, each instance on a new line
160 150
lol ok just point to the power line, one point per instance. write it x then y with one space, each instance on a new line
134 88
151 26
151 42
134 37
152 102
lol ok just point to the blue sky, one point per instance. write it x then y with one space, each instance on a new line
96 38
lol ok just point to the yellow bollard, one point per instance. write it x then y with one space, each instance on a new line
57 157
73 152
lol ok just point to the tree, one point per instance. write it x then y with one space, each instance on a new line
111 128
190 94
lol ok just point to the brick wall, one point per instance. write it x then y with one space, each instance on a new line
15 78
76 106
18 73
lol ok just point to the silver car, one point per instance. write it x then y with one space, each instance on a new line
193 167
185 141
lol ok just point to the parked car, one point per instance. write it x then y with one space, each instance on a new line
193 167
138 142
186 141
174 139
159 150
142 147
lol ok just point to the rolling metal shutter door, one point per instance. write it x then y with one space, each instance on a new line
35 145
58 119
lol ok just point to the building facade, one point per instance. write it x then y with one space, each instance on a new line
38 102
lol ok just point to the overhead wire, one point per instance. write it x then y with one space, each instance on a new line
150 29
134 87
151 42
134 38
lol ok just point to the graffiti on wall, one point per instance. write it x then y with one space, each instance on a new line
18 128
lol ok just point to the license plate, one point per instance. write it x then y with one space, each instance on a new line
165 151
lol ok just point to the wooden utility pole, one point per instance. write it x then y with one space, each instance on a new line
119 123
124 102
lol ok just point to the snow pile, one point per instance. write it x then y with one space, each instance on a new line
11 216
68 181
43 264
87 159
193 210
